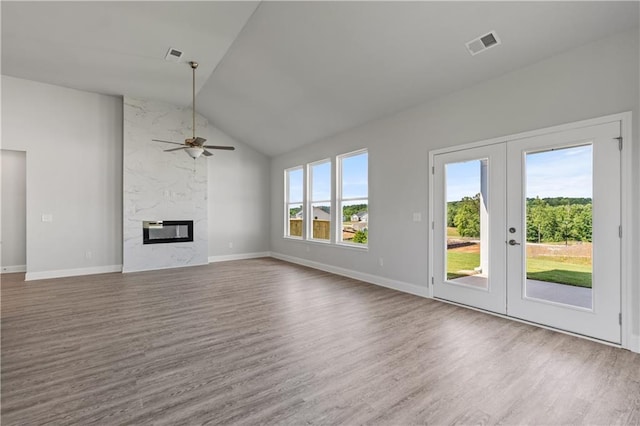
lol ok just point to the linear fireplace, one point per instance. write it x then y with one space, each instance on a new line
167 231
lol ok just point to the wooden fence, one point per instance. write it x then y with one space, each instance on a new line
321 228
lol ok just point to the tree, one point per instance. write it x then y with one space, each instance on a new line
361 237
467 217
548 222
452 209
294 211
583 222
348 211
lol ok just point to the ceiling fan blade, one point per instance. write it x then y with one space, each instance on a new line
175 149
226 148
206 153
199 141
159 140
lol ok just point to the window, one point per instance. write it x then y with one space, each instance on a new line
353 197
316 210
294 199
320 200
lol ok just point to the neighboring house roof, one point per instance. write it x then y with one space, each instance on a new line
318 213
362 216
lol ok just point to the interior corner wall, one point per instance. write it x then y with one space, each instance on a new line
239 200
597 79
73 141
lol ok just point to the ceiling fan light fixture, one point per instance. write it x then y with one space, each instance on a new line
194 152
194 146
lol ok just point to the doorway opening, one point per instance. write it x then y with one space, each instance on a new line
13 229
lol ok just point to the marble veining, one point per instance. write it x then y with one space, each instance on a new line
160 185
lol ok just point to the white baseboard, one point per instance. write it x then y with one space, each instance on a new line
13 269
634 343
240 256
43 275
368 278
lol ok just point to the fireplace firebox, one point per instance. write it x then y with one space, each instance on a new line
167 231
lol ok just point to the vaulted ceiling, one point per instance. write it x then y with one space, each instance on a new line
279 75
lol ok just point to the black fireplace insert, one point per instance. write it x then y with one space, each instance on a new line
167 231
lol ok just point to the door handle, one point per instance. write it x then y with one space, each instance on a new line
513 243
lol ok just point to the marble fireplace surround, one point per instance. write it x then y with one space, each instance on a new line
160 185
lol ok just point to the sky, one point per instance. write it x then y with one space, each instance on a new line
559 173
354 179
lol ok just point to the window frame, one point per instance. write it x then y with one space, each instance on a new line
310 201
288 202
339 199
336 228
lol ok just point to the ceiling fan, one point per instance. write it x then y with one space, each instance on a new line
194 146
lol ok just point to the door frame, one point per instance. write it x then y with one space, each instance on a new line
627 309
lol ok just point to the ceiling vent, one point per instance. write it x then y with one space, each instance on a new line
483 43
173 55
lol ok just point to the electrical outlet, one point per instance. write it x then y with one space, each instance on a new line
47 217
417 217
230 245
87 254
381 262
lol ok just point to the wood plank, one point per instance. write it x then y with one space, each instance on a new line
264 341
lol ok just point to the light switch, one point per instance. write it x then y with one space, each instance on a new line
417 217
47 217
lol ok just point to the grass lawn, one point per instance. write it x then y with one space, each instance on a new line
452 231
458 261
563 270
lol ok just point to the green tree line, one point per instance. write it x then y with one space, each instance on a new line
546 222
348 211
548 219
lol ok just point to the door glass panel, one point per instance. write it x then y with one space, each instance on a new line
559 196
467 223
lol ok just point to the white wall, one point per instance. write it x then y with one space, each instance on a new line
73 141
239 200
13 229
594 80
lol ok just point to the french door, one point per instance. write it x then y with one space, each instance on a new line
530 228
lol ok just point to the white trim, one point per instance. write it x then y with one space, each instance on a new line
633 343
239 256
13 269
538 132
535 324
629 311
404 287
60 273
339 200
629 340
288 202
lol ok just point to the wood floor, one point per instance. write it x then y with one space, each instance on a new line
262 341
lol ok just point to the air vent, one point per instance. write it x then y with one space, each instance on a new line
483 43
173 55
